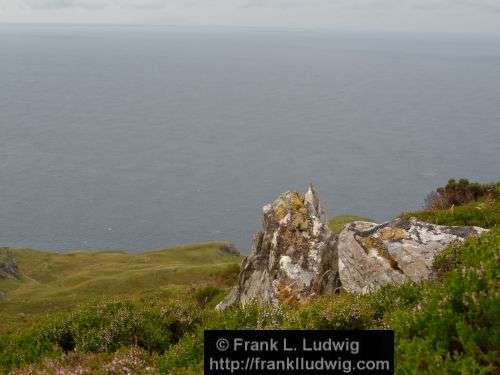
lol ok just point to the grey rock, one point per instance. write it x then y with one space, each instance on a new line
8 265
371 255
292 259
229 248
296 257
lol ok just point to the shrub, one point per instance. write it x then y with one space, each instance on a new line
104 328
203 296
185 354
446 261
130 360
26 347
391 298
458 193
344 311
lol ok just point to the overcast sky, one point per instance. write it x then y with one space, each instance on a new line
463 16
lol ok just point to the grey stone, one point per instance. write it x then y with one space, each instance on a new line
292 259
296 257
8 265
372 255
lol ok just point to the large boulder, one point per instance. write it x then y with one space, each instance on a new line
292 259
296 257
371 255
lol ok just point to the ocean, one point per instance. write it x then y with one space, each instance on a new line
134 138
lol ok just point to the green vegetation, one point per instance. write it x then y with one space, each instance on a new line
454 329
60 282
480 209
457 193
484 214
155 323
337 223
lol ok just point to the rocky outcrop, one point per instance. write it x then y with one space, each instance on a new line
371 255
292 259
8 265
296 256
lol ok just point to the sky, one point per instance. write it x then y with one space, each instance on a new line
448 16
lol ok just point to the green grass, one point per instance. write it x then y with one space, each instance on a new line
337 223
55 282
485 213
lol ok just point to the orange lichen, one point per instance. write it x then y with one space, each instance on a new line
287 295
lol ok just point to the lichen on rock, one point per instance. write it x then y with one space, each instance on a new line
292 259
398 251
296 257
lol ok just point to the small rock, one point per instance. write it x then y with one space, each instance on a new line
229 248
8 265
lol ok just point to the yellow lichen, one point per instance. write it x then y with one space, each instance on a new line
377 245
291 202
392 234
296 201
281 211
371 243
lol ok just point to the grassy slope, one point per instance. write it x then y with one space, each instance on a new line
54 282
